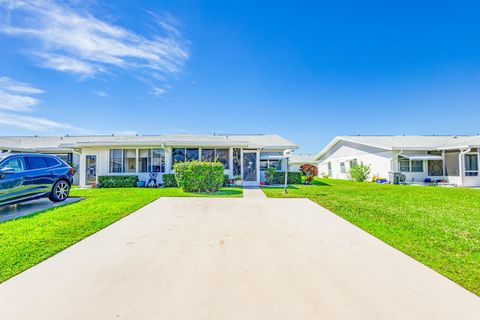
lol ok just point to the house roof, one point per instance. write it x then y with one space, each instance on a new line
302 158
55 143
407 142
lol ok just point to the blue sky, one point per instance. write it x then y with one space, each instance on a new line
308 70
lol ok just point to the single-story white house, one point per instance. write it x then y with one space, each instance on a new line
242 155
453 159
296 160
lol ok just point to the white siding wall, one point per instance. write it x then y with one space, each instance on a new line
378 159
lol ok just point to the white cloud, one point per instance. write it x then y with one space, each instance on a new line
11 85
156 91
100 93
31 123
16 96
75 41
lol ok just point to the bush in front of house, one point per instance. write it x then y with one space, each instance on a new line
270 175
310 171
293 177
117 181
197 176
169 180
360 172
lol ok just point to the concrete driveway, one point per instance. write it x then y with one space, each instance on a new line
22 209
199 258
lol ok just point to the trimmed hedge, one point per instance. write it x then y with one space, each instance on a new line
196 176
117 181
293 177
169 180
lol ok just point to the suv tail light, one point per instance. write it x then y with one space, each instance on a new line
72 171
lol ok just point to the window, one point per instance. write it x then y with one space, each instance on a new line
126 160
116 160
191 154
403 164
329 169
221 155
158 160
236 161
406 165
208 155
144 159
471 165
129 160
416 165
342 167
178 155
270 163
35 163
51 161
353 163
16 164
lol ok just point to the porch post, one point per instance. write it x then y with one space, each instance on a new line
444 168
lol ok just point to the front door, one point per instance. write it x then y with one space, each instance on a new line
90 169
250 168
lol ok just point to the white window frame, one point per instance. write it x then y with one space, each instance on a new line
410 167
137 151
465 163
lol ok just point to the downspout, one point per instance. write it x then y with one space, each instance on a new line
461 163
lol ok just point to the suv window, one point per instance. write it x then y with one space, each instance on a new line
51 161
18 164
36 163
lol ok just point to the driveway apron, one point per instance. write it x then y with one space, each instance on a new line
251 258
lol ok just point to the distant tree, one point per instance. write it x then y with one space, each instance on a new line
310 171
360 172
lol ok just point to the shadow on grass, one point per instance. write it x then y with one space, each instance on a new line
223 192
290 187
320 183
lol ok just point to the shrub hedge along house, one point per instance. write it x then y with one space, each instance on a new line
247 156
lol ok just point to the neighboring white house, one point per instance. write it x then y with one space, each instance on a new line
454 159
296 160
242 155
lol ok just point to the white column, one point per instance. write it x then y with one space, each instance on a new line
81 169
444 168
230 161
168 160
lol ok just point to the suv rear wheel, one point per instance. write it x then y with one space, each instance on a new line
60 191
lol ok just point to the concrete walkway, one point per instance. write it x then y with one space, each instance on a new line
253 193
203 258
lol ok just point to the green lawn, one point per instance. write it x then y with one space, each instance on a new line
440 227
27 241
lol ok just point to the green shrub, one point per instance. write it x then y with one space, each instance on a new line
270 175
117 181
293 177
360 172
169 180
199 176
226 180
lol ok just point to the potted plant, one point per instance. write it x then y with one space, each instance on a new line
238 181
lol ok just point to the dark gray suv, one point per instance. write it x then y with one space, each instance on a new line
28 176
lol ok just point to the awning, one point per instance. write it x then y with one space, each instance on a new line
421 156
